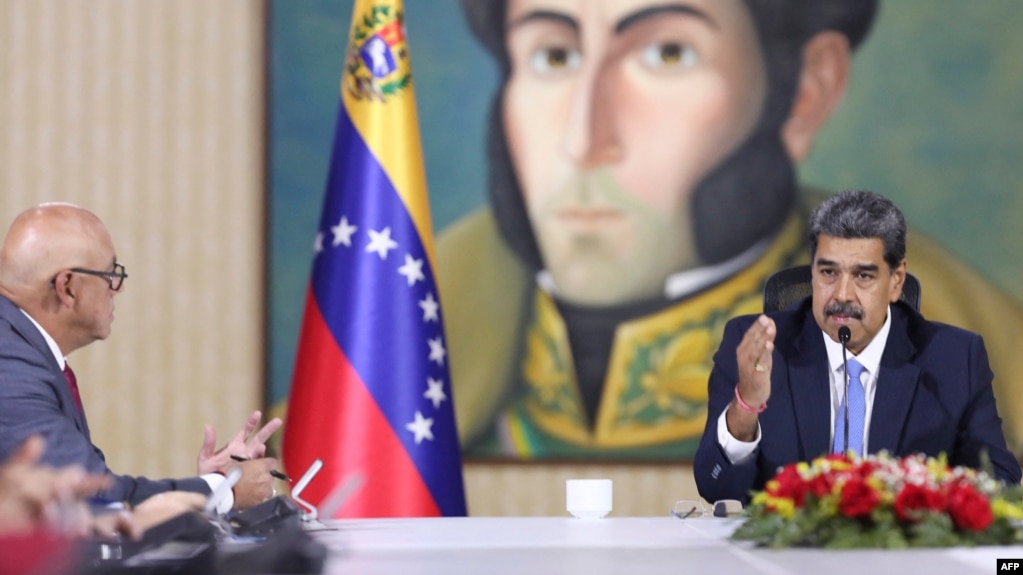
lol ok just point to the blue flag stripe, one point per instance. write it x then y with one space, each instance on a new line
375 315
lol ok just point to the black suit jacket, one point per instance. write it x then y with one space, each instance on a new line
933 396
35 399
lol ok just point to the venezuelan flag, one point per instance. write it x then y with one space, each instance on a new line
371 394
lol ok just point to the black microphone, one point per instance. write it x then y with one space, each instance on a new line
844 334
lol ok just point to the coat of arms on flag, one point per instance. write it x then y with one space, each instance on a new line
377 65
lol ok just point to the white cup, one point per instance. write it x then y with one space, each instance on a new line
588 498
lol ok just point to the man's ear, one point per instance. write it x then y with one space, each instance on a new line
822 81
898 279
64 289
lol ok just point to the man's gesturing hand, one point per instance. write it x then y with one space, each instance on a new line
754 386
247 443
754 358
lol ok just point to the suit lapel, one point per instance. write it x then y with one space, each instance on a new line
896 385
811 394
28 331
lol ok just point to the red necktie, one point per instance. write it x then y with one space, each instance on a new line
72 382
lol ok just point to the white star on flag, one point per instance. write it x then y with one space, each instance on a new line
381 242
421 427
412 270
435 391
318 243
437 351
430 308
343 232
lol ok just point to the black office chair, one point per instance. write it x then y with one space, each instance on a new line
786 287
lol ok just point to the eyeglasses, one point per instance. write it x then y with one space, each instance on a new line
692 508
114 278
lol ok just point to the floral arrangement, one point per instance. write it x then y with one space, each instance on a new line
881 501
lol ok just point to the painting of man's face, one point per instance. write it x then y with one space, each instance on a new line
614 111
644 154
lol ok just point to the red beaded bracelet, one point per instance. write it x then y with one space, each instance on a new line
745 407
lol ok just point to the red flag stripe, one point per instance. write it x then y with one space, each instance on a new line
329 380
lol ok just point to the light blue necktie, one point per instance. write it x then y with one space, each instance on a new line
857 410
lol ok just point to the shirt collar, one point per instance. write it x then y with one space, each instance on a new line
54 348
869 358
690 281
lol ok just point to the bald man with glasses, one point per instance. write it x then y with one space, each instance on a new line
58 278
115 277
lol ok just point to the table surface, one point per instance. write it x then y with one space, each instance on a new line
633 545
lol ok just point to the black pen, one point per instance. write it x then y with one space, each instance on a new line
273 472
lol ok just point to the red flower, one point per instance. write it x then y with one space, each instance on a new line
866 468
857 499
790 485
837 457
821 485
969 509
913 499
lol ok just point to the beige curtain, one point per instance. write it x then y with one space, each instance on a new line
150 113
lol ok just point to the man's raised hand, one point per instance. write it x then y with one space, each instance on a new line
247 444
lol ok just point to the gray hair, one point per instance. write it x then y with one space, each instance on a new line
861 214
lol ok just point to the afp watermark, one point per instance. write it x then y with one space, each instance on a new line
1010 565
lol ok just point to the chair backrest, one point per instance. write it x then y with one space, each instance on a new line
791 285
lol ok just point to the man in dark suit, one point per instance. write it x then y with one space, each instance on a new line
777 390
58 279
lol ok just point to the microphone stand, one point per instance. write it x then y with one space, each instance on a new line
844 334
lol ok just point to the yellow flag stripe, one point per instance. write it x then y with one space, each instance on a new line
389 126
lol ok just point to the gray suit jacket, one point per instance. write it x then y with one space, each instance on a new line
35 399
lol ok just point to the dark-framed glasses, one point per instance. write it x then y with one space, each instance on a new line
692 509
114 278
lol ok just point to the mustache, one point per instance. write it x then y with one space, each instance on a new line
846 309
